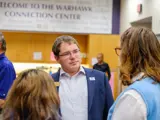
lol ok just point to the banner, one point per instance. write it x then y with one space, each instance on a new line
71 16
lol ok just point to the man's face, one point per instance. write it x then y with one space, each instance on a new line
69 57
99 58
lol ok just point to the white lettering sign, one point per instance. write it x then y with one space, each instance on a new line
75 16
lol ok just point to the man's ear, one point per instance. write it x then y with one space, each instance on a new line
57 58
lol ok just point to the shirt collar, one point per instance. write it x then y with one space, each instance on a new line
2 55
81 71
138 76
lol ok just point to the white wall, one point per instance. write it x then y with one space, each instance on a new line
129 13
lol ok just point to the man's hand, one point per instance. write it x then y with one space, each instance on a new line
2 103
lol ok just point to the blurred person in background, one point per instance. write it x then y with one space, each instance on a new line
102 66
7 72
32 96
140 69
85 94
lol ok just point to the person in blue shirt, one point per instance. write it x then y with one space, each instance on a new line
139 54
7 72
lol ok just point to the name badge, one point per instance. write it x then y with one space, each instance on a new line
91 78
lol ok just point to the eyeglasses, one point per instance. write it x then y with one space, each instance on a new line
68 53
118 50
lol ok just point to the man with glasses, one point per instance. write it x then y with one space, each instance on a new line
7 72
85 94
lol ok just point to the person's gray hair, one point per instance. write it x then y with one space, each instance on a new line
59 40
2 40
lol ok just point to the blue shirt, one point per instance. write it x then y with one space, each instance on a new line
7 75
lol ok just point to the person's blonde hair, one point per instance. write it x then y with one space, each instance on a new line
33 96
140 52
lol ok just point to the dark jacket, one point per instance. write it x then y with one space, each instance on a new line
99 94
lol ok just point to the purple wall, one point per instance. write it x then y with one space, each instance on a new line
116 17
